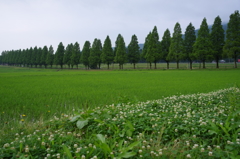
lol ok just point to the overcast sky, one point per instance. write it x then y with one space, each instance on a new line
30 23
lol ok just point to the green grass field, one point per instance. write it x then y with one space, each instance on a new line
31 97
43 92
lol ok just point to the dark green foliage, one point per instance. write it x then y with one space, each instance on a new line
121 56
24 54
18 57
50 56
95 54
153 48
203 47
133 51
107 55
58 58
68 54
34 56
189 40
165 46
116 44
232 45
217 39
145 46
30 56
44 56
38 58
176 51
75 55
85 54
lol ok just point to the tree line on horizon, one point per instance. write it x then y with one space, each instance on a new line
206 45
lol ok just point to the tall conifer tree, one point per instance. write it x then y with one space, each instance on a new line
176 51
153 51
217 39
58 58
44 56
121 56
202 48
95 54
116 44
145 46
34 56
232 45
75 55
133 51
68 54
50 56
31 57
189 40
85 54
99 52
107 55
39 55
165 46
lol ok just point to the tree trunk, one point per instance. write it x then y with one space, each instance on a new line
150 65
134 65
190 63
167 64
217 64
235 64
177 64
235 60
204 65
155 65
108 66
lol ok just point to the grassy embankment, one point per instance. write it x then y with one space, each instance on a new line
185 126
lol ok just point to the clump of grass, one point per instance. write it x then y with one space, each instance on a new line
202 125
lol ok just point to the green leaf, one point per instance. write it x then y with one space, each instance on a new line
212 132
67 151
81 123
99 121
120 144
224 129
131 146
213 126
105 148
75 118
101 138
127 154
129 133
129 127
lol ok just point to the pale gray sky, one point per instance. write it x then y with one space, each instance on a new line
29 23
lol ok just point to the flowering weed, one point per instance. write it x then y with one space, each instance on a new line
202 125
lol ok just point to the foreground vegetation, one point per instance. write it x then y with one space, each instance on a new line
202 125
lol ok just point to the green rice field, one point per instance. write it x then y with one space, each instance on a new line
37 92
58 103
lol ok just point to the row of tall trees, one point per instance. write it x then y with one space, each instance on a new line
91 56
206 45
